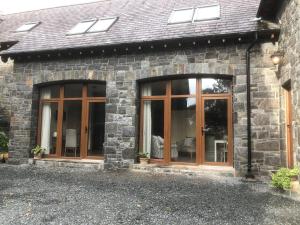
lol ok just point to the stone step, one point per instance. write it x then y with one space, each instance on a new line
224 171
74 163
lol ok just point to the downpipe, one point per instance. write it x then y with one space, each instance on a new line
249 174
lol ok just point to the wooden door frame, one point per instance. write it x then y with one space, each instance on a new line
200 145
228 98
289 127
85 100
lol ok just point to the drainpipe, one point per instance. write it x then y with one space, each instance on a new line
248 56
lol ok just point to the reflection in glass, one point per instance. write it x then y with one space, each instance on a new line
153 130
96 90
73 90
154 88
215 130
50 92
96 128
211 86
183 136
71 128
184 87
49 127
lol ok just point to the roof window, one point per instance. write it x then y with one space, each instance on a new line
27 27
207 13
102 25
181 16
82 27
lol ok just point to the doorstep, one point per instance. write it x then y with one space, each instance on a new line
224 171
75 163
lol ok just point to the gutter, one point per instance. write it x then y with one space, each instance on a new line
249 173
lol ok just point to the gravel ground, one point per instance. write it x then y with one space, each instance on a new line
31 195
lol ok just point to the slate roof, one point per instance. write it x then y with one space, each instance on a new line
139 21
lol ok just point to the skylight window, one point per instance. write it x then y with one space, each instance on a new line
181 16
102 25
82 27
207 13
27 27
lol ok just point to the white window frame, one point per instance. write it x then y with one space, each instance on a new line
182 9
206 19
115 19
35 24
83 21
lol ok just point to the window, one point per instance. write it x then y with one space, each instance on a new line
207 13
82 27
27 27
181 16
102 25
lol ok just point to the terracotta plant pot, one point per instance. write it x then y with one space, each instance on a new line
38 156
144 161
294 178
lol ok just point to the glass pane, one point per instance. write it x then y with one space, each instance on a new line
207 13
26 27
50 92
71 129
49 127
153 129
102 25
215 130
214 86
96 128
181 16
183 133
154 88
96 90
184 87
81 27
73 90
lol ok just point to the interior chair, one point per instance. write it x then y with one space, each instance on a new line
157 150
71 142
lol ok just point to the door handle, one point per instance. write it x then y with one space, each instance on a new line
86 130
204 130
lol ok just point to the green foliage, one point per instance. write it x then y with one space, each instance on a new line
3 140
143 155
38 150
282 178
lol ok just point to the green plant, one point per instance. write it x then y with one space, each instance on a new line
143 155
3 140
38 150
282 178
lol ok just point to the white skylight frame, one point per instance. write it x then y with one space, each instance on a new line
82 27
206 13
189 18
27 27
102 25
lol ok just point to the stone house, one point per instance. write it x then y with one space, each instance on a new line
108 79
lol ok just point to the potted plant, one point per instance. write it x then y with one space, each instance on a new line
144 158
3 146
38 152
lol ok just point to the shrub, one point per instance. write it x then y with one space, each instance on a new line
143 155
282 178
3 140
38 150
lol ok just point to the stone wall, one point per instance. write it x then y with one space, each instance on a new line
5 76
121 73
289 43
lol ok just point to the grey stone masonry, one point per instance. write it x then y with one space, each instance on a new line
121 73
289 70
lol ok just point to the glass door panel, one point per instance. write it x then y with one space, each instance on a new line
95 129
49 127
215 130
153 129
183 130
71 128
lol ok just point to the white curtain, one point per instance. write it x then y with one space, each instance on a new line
46 121
147 130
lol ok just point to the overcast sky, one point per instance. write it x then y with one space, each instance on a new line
12 6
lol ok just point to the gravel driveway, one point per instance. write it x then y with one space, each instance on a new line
30 195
